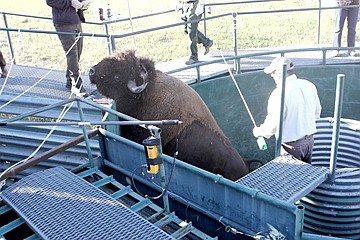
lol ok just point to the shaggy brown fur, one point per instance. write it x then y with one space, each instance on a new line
144 93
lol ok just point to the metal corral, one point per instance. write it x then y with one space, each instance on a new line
237 206
334 208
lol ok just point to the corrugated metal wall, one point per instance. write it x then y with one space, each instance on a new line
333 208
19 142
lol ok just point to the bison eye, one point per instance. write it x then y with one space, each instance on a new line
117 77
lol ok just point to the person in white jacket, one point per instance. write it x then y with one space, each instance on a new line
301 109
192 11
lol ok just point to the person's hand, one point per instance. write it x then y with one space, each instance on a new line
257 132
178 6
86 4
76 4
199 9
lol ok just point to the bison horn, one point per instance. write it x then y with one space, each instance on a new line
138 89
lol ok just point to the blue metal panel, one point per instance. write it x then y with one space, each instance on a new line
245 209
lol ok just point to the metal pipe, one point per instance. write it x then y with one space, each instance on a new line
86 138
9 39
234 15
42 157
124 123
165 196
319 23
336 128
281 116
299 225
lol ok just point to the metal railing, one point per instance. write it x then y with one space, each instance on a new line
111 44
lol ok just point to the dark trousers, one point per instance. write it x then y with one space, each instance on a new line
301 149
73 55
196 37
2 61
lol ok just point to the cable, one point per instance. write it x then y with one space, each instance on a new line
131 24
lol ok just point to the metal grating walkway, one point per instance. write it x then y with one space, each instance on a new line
58 204
285 178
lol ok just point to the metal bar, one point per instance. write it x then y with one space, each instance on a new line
121 192
165 220
86 138
180 233
235 39
140 205
42 157
32 237
88 172
10 226
123 123
165 196
4 209
281 116
33 112
198 78
103 181
107 33
319 24
336 128
9 39
299 221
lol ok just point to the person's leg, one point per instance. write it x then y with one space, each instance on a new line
301 149
205 41
72 57
193 35
340 15
352 22
3 66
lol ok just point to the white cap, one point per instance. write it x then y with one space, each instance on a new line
278 63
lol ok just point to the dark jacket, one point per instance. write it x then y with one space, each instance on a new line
63 12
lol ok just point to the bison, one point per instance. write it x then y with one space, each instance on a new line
141 91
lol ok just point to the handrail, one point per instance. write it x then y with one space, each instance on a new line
236 58
112 37
44 156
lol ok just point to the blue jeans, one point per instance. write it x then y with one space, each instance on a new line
351 14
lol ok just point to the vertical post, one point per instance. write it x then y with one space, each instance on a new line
86 137
319 23
281 115
109 40
204 12
9 39
336 128
156 133
236 63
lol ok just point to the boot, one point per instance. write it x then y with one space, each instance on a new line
4 72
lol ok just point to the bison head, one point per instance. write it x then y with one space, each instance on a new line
122 73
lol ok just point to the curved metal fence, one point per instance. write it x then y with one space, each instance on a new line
333 208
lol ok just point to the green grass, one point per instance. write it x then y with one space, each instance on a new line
253 31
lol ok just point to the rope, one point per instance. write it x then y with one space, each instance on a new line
42 78
131 24
62 114
238 89
11 65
